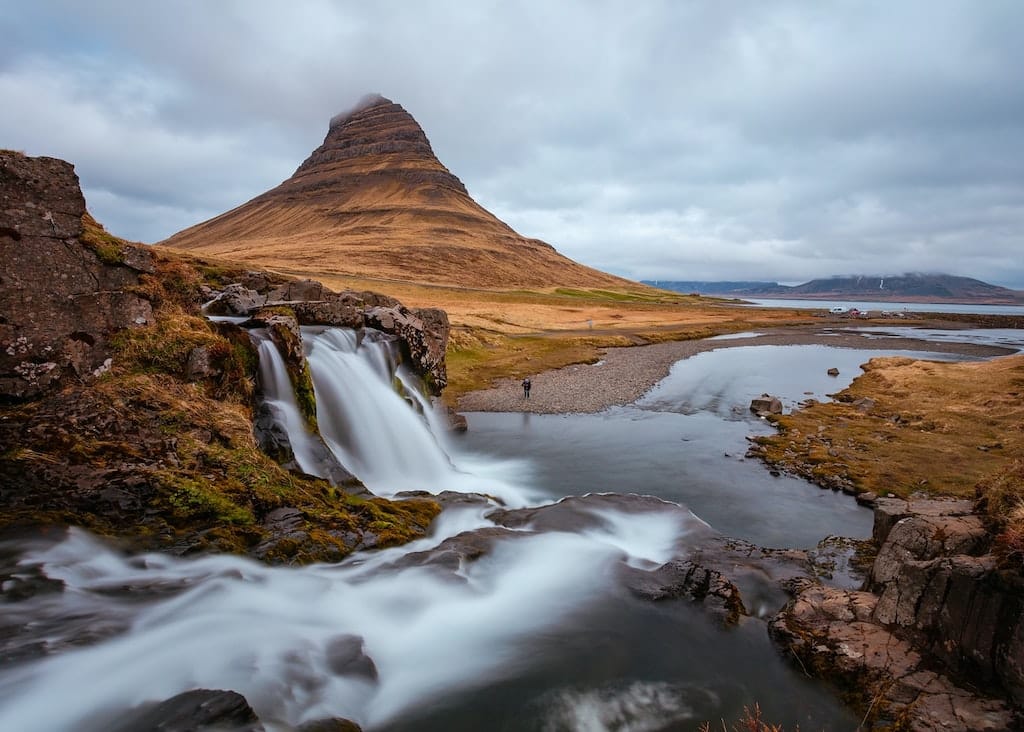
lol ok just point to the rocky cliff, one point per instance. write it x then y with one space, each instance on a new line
935 640
125 411
62 293
374 201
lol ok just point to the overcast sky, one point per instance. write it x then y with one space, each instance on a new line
656 140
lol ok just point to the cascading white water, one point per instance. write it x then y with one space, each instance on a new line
374 431
279 395
274 634
366 423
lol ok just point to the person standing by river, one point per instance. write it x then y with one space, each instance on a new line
526 387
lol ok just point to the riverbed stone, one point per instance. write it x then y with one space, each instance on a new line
766 404
191 711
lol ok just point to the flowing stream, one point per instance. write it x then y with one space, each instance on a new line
536 634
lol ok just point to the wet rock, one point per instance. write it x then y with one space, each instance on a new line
833 371
424 337
690 579
191 711
346 656
335 724
766 404
272 437
867 498
457 422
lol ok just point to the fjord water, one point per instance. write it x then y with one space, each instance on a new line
538 634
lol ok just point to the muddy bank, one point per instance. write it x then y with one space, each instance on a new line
623 375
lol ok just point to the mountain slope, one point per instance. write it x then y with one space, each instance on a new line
374 201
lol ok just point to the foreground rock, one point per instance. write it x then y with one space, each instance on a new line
62 294
206 709
194 710
937 643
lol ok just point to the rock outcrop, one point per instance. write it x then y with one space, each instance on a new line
937 623
421 334
161 450
373 200
62 297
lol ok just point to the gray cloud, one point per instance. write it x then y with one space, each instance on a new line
695 140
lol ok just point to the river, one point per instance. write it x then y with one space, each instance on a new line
536 635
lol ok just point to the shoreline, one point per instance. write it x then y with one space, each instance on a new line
624 374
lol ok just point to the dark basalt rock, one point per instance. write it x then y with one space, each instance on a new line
192 711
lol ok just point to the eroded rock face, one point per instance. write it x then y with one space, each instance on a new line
834 635
59 303
941 619
939 589
424 336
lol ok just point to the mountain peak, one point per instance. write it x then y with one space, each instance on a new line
375 137
365 102
374 201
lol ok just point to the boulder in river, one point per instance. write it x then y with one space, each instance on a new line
766 404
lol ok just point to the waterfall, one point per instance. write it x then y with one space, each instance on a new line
372 430
373 416
280 397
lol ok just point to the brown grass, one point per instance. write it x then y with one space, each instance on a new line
934 427
937 428
751 721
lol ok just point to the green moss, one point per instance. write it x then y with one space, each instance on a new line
108 248
192 499
304 395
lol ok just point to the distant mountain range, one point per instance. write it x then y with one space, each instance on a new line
914 287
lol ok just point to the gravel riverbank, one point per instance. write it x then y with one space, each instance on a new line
624 374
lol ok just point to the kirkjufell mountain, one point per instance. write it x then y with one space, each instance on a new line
374 201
